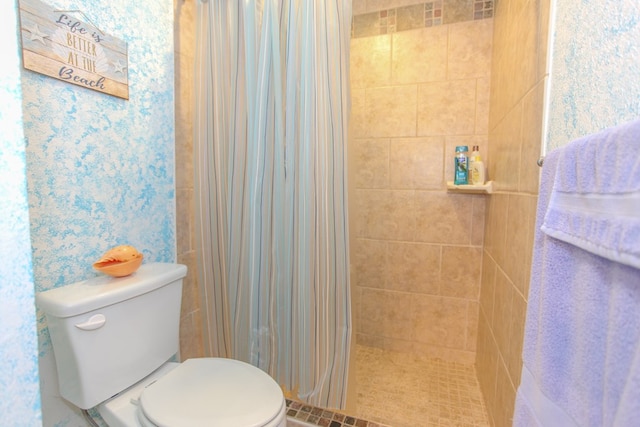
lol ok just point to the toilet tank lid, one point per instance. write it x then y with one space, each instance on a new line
98 292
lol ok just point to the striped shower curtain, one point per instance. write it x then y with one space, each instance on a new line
271 112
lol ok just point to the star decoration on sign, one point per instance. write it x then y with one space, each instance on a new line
119 67
36 34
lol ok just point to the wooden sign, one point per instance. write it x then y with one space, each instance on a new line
58 45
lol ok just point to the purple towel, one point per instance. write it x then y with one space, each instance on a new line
581 349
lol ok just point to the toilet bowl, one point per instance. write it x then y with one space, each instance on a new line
113 339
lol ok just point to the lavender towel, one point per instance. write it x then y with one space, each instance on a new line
581 352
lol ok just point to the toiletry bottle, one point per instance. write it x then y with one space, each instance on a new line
461 165
476 168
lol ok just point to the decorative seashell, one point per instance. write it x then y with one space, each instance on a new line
119 261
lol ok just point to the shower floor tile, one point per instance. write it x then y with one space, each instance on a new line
406 390
403 390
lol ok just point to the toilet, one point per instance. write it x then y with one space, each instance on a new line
114 340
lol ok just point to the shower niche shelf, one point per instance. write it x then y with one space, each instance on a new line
486 188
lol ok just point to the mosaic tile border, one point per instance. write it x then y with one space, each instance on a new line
322 417
421 15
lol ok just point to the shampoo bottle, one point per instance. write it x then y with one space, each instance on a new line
476 168
461 166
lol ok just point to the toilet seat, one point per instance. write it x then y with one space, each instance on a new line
212 392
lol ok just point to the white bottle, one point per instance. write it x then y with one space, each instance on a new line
476 168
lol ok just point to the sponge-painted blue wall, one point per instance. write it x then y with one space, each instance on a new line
594 71
19 395
99 169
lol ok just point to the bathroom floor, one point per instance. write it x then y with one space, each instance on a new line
405 390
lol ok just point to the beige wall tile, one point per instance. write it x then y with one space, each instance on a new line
483 92
473 311
457 10
496 227
516 338
460 275
417 163
390 111
442 218
502 316
419 56
386 214
373 5
478 219
505 397
439 321
487 359
371 163
447 108
370 60
370 262
517 240
357 117
504 151
386 314
487 290
184 209
413 267
469 52
358 6
533 105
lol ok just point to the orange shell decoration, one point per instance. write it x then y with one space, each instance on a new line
119 261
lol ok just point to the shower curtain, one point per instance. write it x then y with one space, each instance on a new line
270 135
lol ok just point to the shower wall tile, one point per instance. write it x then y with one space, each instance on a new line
473 311
417 163
372 163
477 220
357 117
410 17
483 91
386 16
447 107
191 334
391 111
516 338
413 267
457 11
371 61
420 56
505 151
460 275
387 314
371 262
519 238
532 108
417 255
487 290
386 214
439 320
469 51
367 24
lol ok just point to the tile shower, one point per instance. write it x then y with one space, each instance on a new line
417 255
417 280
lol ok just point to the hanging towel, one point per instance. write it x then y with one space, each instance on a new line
581 351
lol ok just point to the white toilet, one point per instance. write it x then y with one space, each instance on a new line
113 339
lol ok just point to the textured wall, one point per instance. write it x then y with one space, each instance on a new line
101 169
596 56
19 395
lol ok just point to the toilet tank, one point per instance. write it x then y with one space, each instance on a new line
109 333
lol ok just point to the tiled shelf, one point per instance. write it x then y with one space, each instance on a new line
486 188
